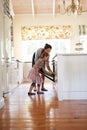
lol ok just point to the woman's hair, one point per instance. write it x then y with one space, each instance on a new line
47 46
44 54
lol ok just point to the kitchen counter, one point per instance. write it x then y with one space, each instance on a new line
72 76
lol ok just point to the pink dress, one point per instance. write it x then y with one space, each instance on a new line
33 75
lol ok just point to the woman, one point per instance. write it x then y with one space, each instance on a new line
47 48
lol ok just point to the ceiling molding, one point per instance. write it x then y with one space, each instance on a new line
33 10
54 7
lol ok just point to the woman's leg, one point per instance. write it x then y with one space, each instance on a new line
43 88
33 59
38 89
43 79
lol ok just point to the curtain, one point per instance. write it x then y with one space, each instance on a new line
45 32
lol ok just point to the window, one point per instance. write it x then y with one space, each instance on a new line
27 48
83 40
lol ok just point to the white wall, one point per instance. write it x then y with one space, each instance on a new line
29 20
1 42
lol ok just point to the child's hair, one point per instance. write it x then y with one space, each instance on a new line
44 54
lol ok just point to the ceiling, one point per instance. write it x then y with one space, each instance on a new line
42 6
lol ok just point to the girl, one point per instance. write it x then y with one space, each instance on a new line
35 75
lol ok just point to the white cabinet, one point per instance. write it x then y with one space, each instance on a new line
1 43
72 76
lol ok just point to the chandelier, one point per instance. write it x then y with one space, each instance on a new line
74 8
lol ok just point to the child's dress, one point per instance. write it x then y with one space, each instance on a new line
33 75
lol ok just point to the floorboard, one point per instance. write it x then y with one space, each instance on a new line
42 112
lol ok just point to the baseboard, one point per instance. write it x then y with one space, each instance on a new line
1 102
73 96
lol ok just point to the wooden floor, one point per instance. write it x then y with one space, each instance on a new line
42 112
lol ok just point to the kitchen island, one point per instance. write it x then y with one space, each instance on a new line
72 76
